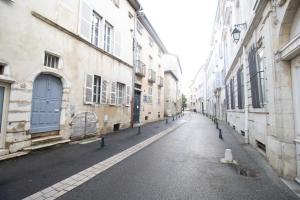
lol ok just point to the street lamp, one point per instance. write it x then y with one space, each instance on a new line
236 33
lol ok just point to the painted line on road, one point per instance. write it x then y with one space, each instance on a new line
76 180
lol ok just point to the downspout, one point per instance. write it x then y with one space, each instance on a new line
246 106
134 64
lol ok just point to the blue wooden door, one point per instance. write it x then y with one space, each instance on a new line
46 104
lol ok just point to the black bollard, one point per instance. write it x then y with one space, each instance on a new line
102 142
220 134
217 125
167 121
139 130
173 118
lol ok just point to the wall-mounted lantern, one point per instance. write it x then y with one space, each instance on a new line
236 33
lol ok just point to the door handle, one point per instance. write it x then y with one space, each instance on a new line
56 110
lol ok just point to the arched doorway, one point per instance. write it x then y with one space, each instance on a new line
46 104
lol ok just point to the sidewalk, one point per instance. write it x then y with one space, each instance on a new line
23 176
260 163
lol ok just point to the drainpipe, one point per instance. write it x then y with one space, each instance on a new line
134 66
136 13
246 106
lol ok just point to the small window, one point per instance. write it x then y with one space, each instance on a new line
2 66
150 95
150 42
51 60
159 53
261 145
97 89
145 99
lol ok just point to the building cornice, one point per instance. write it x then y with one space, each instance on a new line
70 33
135 4
148 26
290 50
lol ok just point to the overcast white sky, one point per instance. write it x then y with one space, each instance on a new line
185 27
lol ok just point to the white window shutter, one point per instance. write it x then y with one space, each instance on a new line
85 20
88 90
117 43
113 93
104 92
128 96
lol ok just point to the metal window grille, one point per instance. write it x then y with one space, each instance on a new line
232 97
256 70
51 60
240 87
227 96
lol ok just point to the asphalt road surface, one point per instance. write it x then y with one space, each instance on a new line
185 164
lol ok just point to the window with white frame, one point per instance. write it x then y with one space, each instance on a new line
150 95
96 29
108 37
97 89
121 91
51 60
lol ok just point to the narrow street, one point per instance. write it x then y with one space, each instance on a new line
184 164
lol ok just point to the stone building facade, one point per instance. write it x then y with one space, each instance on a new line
173 88
149 73
66 70
255 45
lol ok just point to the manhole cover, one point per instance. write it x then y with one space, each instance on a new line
247 172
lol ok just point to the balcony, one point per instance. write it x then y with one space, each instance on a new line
151 76
140 69
160 81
